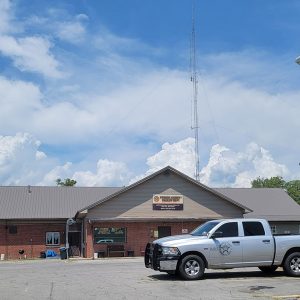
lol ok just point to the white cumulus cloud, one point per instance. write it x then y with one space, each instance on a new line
62 172
180 155
237 169
108 173
19 159
225 167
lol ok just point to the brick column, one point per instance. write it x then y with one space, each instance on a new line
88 239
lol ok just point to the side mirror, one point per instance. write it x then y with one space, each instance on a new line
217 234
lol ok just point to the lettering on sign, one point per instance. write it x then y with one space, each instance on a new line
167 202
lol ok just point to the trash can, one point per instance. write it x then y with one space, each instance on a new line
43 254
130 253
63 252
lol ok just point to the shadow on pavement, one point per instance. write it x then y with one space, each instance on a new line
221 275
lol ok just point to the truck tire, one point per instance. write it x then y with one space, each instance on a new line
268 269
292 264
191 267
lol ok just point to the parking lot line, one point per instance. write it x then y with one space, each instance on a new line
291 297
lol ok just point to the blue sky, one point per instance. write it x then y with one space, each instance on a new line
99 90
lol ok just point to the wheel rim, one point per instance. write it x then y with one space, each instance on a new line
192 268
295 264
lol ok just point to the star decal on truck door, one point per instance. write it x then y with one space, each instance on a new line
225 248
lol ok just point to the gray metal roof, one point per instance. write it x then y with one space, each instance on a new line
273 204
41 202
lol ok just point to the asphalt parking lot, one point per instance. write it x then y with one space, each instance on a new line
127 278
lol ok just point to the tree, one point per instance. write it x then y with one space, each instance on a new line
292 187
273 182
66 182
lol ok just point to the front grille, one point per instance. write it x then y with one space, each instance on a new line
148 254
152 255
156 255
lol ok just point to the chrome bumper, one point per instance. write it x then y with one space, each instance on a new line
156 261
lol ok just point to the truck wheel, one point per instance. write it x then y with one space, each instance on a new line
191 267
292 264
268 269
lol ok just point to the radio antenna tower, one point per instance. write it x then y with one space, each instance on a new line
194 80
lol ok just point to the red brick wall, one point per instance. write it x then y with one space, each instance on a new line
30 237
138 234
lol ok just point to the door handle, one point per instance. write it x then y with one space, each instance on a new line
266 241
235 242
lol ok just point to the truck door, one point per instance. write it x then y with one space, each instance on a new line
228 249
258 248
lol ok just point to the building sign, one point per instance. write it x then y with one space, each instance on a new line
167 202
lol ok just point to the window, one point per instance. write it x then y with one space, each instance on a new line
204 228
109 235
229 229
273 229
52 238
253 228
164 231
12 229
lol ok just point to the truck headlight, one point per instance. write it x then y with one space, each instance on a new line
170 251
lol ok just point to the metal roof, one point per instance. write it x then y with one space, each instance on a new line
273 204
45 202
40 202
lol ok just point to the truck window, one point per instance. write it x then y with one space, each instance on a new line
253 228
229 229
204 228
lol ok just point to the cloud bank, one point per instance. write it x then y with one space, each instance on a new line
22 163
102 101
225 167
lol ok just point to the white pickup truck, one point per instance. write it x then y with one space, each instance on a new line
224 244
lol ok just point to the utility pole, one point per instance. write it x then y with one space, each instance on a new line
194 80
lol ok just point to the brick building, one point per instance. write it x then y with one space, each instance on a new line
167 202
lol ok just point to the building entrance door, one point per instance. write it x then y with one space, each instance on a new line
164 231
74 243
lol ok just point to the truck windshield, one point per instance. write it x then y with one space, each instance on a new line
204 228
